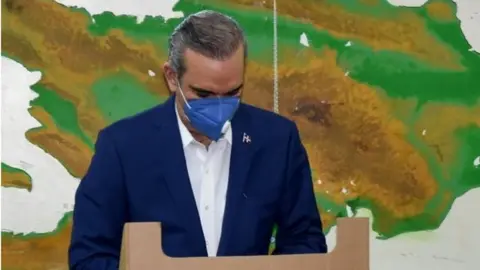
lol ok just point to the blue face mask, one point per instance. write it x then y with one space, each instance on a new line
210 116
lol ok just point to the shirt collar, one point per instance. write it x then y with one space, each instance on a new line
187 137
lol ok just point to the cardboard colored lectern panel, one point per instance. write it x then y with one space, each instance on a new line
142 250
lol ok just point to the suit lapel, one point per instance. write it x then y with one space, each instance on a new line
241 157
176 175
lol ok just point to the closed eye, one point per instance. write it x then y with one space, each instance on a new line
203 93
234 92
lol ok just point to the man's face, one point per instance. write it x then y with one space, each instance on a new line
206 77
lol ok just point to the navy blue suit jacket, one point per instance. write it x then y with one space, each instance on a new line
138 173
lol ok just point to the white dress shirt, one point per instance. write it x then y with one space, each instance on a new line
208 170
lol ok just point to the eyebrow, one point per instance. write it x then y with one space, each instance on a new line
205 91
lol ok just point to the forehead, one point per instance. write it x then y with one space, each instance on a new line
211 74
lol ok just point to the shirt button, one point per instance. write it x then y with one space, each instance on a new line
207 170
207 207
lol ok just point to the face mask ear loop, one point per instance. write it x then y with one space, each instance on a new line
181 93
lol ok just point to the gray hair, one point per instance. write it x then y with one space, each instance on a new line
207 32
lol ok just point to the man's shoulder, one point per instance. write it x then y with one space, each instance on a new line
134 124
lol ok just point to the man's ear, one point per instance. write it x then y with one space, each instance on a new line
170 77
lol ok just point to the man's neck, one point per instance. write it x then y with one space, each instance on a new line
195 134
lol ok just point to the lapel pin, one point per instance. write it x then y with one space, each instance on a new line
246 138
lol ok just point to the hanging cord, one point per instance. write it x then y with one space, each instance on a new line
275 58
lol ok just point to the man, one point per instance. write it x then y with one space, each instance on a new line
217 173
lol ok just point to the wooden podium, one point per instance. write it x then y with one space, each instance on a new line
141 250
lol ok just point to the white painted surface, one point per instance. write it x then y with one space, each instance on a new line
52 186
138 8
304 40
453 246
468 12
408 3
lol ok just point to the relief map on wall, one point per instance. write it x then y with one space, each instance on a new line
386 97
